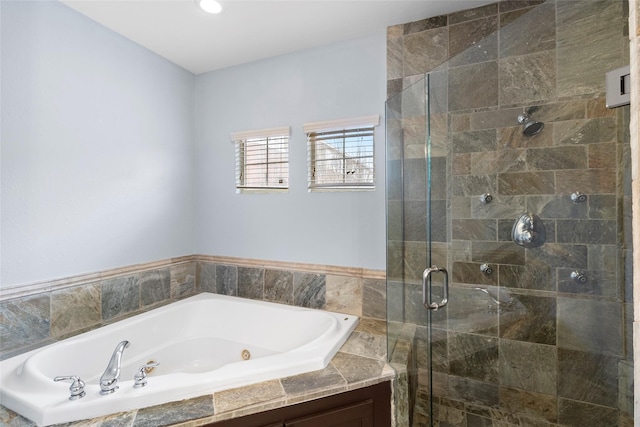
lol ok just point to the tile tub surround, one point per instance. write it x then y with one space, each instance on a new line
55 310
488 65
360 362
82 303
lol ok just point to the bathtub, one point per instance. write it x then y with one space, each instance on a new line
200 343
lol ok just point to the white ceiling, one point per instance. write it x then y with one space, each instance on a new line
248 30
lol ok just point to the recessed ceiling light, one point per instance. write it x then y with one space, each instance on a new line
210 6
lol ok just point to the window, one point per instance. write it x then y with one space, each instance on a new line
262 159
341 153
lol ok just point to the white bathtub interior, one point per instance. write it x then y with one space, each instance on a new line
199 343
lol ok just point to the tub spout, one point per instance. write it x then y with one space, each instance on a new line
111 376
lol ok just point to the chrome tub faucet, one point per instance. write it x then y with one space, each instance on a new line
111 376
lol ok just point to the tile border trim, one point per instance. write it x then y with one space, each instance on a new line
21 291
294 266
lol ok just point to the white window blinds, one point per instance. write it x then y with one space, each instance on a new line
341 153
262 159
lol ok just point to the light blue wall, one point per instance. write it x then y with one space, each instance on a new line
105 162
333 82
97 155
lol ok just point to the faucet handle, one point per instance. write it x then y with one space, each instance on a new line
76 388
140 378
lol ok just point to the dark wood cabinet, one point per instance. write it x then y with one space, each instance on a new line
365 407
356 415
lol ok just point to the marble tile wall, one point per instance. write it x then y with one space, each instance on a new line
32 321
554 351
360 295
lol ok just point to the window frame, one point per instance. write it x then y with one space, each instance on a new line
240 140
344 127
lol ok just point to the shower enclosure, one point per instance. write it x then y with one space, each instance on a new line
509 236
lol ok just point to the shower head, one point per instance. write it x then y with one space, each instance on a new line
529 126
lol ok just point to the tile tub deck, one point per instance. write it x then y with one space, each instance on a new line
360 362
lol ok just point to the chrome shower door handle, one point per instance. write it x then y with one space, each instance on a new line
426 288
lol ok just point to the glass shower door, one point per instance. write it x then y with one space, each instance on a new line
417 253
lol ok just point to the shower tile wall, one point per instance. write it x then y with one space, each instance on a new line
556 352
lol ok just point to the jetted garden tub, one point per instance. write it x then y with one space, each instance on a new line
203 344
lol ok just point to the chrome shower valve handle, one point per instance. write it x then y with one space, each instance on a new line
528 231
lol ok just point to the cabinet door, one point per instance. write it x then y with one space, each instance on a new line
355 415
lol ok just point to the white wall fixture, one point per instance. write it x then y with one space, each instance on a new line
618 87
